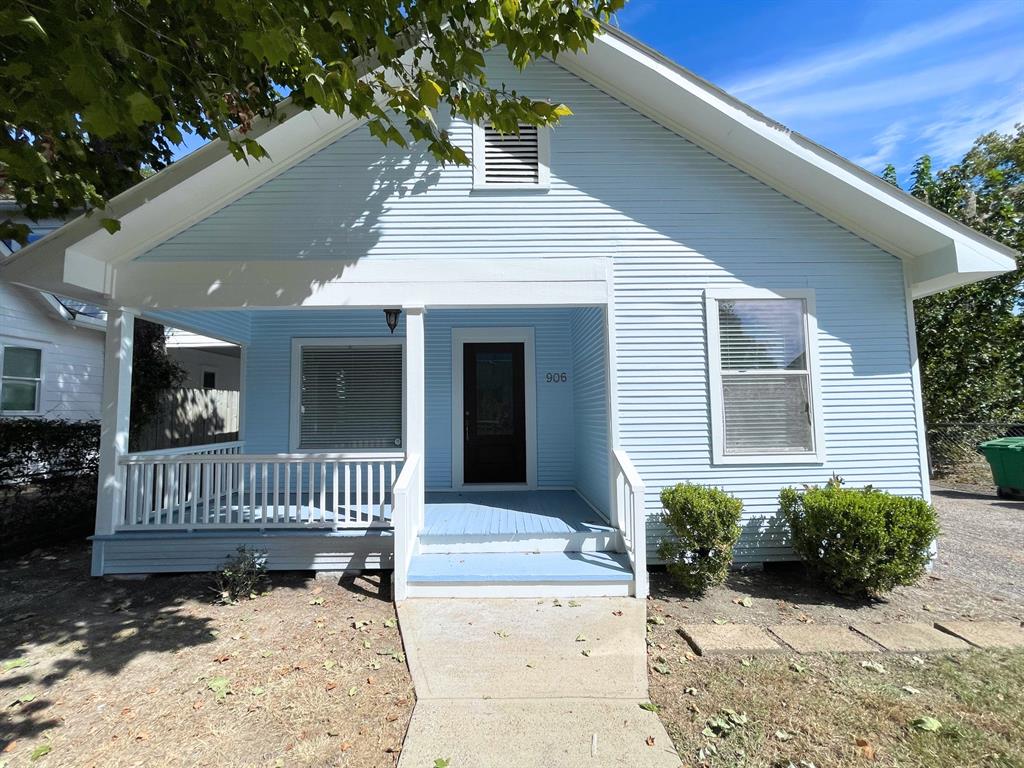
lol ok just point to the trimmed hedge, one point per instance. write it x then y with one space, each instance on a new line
861 542
703 525
48 475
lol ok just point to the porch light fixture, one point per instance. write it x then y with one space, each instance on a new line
391 318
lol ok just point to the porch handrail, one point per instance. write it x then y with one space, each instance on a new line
236 490
407 519
204 449
149 457
631 515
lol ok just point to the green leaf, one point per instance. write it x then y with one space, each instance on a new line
40 751
562 110
143 109
430 93
33 23
650 706
220 686
341 19
442 762
15 664
926 723
111 225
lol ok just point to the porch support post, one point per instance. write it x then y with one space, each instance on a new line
415 385
115 415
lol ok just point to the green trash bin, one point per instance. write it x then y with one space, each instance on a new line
1006 457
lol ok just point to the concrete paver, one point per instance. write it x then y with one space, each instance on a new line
985 634
813 638
911 638
567 733
729 638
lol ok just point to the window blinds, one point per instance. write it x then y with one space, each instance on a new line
765 377
351 397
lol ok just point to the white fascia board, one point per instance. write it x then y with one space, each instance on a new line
788 162
554 281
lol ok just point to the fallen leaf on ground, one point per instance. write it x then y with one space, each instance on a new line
865 749
927 723
874 666
650 741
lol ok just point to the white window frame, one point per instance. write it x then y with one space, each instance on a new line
295 428
497 335
714 359
543 163
38 410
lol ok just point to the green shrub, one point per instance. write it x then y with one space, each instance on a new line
703 526
243 576
861 542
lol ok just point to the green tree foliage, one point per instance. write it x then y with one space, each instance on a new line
93 92
971 339
152 372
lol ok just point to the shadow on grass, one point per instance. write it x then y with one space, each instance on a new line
60 622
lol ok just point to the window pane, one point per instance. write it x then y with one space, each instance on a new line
18 396
351 398
23 362
766 414
762 334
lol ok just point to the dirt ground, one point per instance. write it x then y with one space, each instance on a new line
98 672
782 710
979 574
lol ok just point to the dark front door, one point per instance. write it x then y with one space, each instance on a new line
494 418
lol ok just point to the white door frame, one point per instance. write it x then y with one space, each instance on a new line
524 336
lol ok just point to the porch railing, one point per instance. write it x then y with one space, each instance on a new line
630 515
215 486
409 513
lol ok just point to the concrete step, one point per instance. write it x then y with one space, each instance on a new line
520 574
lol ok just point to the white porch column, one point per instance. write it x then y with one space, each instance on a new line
415 384
114 419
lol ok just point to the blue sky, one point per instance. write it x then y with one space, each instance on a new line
876 80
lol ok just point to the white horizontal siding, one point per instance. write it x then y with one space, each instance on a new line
72 356
677 220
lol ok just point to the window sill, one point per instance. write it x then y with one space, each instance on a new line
808 459
533 189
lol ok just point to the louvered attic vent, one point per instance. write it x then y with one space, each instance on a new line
509 160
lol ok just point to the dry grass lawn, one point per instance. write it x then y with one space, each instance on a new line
152 673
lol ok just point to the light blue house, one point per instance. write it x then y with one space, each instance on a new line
483 376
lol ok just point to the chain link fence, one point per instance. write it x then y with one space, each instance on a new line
953 453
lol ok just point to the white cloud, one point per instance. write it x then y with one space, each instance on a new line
886 144
849 58
906 88
952 133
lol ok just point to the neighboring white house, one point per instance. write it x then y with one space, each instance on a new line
51 350
483 377
209 363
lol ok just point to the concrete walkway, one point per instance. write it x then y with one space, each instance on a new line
530 682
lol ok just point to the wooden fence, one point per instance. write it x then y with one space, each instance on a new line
190 417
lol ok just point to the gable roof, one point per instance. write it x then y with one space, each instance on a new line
80 258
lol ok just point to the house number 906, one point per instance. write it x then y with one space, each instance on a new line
556 378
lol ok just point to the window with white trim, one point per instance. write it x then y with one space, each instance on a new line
509 160
761 354
21 379
349 396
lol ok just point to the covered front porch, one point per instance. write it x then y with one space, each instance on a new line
471 450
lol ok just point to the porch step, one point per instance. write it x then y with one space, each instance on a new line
604 539
502 568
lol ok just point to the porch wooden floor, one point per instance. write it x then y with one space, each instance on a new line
487 513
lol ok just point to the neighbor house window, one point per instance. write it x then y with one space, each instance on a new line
22 379
761 359
209 379
349 395
510 160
